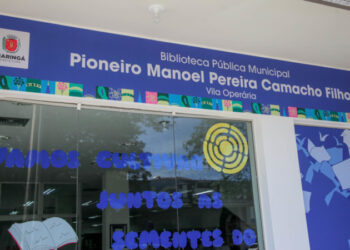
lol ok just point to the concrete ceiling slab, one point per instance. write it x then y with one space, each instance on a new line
293 30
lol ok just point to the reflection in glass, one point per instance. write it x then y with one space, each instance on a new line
59 199
18 191
236 190
129 141
121 173
30 136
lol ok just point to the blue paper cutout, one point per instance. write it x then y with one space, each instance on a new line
31 158
329 199
300 143
164 200
177 200
149 196
168 161
314 167
58 158
179 240
204 201
125 159
342 172
323 137
336 155
197 163
165 239
325 167
193 236
149 238
329 196
119 243
103 204
157 161
130 240
101 159
237 237
73 159
133 164
134 200
249 237
146 160
117 162
327 170
206 239
182 163
144 240
307 198
339 144
15 158
217 202
117 203
218 240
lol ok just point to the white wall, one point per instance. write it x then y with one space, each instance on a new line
281 199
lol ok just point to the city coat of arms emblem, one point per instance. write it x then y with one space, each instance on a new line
11 43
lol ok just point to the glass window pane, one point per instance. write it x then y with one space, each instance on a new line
57 138
214 164
143 177
18 189
56 141
59 199
128 157
38 180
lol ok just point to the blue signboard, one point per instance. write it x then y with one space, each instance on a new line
55 59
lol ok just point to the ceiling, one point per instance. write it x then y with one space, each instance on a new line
293 30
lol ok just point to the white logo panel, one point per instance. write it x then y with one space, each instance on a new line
14 48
